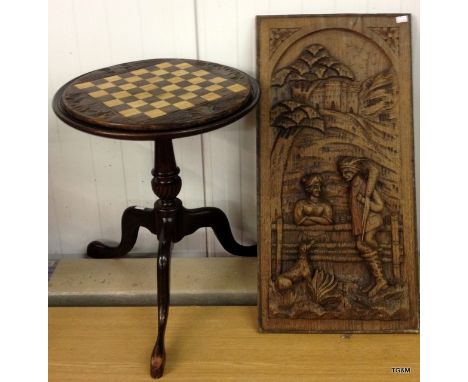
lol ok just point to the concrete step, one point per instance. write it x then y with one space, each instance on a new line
132 282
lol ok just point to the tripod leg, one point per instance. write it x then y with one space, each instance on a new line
132 219
217 220
158 358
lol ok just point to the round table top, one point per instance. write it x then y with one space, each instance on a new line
159 98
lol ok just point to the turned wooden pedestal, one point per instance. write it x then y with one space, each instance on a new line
160 100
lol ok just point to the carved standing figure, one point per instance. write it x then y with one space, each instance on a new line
366 207
312 210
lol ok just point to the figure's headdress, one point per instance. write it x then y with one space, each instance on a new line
349 163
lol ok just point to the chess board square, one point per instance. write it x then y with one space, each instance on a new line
133 79
154 80
97 94
196 80
192 88
119 82
171 87
114 102
148 87
175 80
187 96
166 96
236 88
183 105
184 84
140 83
164 65
183 65
113 78
146 108
135 90
200 73
130 112
155 113
140 71
218 80
160 104
138 103
127 86
122 94
143 95
180 72
159 72
179 91
146 76
84 85
213 88
211 96
106 85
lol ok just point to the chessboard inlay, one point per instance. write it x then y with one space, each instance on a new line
160 89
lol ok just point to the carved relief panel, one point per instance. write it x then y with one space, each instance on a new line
337 240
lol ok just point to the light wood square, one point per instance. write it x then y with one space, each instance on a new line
133 79
196 80
183 65
183 105
106 85
166 96
192 88
113 78
154 80
143 95
179 72
175 80
188 96
121 94
99 93
149 87
114 102
218 80
155 113
127 86
200 73
159 72
170 88
130 112
236 88
140 71
84 85
211 96
138 103
160 104
164 65
214 87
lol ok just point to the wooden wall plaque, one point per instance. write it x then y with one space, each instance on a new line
337 223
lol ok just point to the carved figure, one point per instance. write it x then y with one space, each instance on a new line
312 210
366 207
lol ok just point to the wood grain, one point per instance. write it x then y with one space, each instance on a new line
101 344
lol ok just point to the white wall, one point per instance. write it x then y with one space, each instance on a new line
92 180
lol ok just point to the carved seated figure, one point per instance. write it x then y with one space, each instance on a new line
312 210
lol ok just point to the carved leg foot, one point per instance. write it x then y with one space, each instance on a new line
158 357
132 219
217 220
